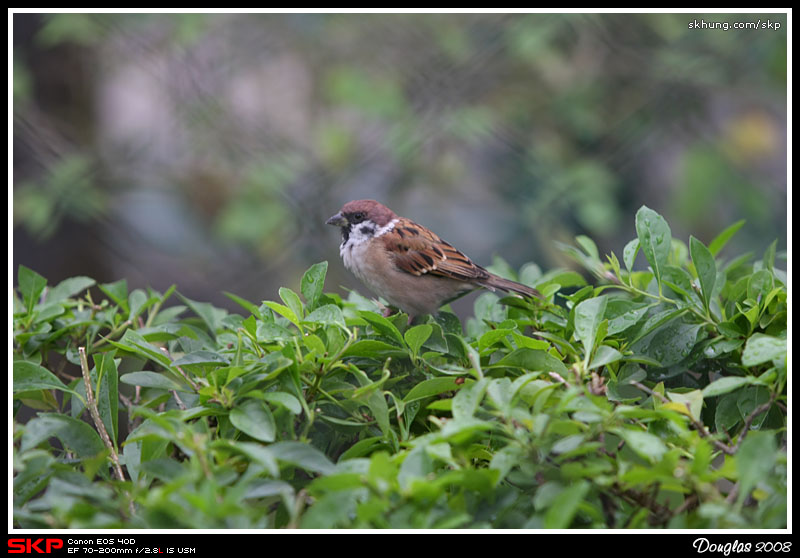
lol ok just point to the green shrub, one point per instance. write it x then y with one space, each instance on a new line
655 399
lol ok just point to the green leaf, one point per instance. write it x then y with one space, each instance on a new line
68 288
330 314
656 321
671 343
506 459
725 385
759 284
631 373
416 336
371 348
568 443
492 336
292 300
312 284
655 239
468 398
152 380
588 246
604 355
376 401
138 302
211 315
254 418
768 261
556 277
29 377
135 343
382 326
107 396
363 447
623 314
722 238
246 304
118 292
30 285
749 399
727 414
201 358
645 444
754 461
330 511
267 332
73 433
285 400
304 456
693 400
762 348
500 394
284 311
259 453
720 346
706 268
429 388
588 316
563 509
531 360
629 253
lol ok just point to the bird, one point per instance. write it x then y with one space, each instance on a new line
407 264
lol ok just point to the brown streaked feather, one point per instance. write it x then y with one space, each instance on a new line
419 251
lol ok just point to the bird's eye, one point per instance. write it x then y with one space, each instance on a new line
358 217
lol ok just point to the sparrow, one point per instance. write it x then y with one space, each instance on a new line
408 264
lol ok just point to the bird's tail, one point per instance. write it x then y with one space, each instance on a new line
495 282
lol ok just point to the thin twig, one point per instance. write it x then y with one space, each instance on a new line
659 514
725 448
733 494
557 377
649 391
116 331
181 405
697 424
688 503
98 422
764 407
597 386
179 369
60 371
299 505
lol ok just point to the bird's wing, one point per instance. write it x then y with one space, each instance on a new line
419 251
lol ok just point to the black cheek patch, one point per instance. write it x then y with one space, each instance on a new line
367 230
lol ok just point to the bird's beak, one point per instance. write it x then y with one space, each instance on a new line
337 220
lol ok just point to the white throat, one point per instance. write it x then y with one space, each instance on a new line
352 250
362 233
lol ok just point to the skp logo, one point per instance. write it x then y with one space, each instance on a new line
30 546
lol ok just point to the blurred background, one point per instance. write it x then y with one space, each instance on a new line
207 150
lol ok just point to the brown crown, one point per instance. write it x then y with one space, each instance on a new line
374 211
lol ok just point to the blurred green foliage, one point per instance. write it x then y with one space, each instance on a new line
551 125
68 190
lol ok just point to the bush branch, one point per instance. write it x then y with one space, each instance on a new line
725 448
98 422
